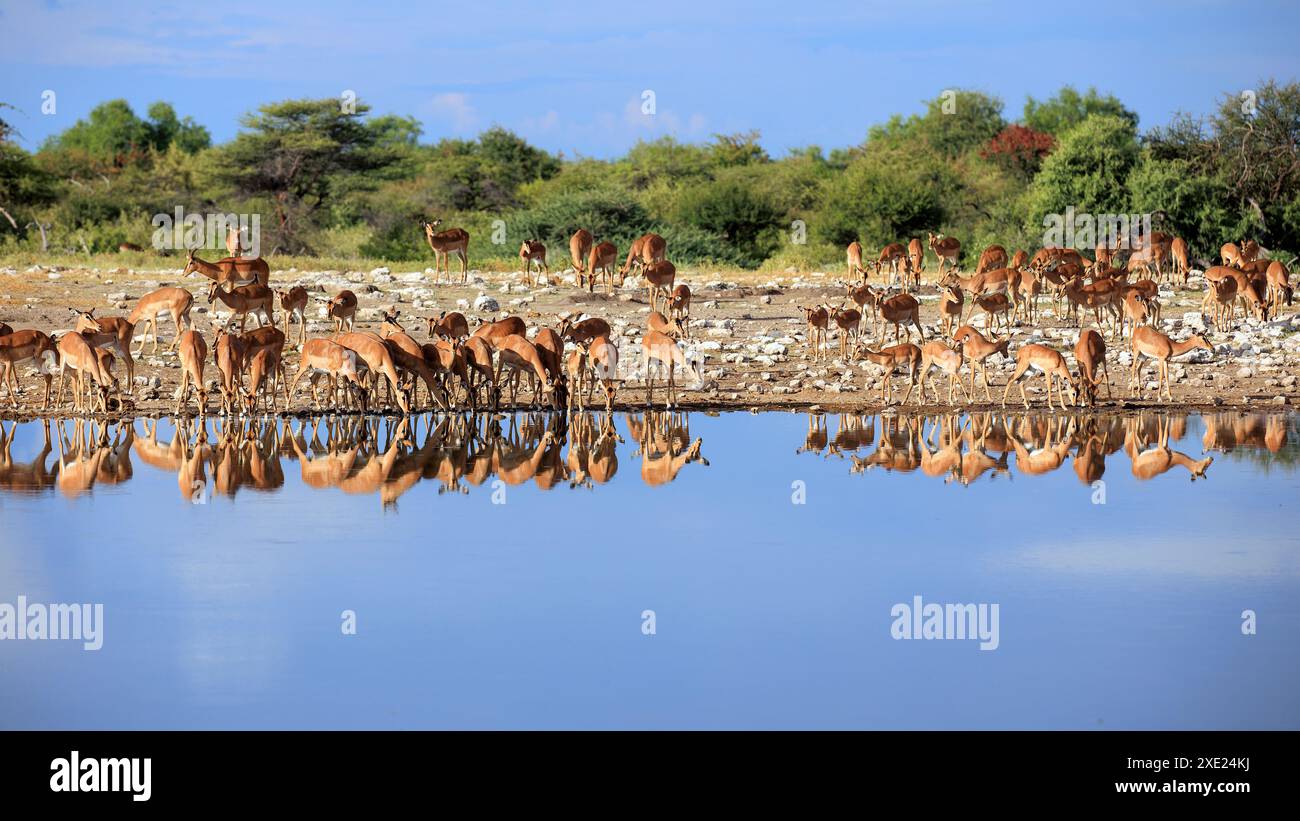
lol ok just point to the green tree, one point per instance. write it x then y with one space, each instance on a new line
299 153
1088 170
741 216
1067 108
165 129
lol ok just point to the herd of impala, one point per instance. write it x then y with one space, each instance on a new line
962 450
562 367
1119 288
355 454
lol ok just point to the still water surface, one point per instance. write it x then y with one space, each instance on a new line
501 578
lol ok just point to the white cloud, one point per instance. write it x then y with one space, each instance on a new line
454 108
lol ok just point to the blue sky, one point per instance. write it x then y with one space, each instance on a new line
570 76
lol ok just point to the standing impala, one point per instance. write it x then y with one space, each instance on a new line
658 350
603 259
892 255
172 301
848 322
231 271
994 256
294 304
915 258
110 333
817 318
579 248
679 306
906 356
1149 342
659 278
902 310
646 249
342 308
444 244
976 349
371 349
76 352
193 353
257 300
855 261
333 360
533 252
938 355
22 346
1050 364
1090 355
947 249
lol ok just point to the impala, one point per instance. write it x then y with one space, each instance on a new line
76 352
1149 342
342 308
976 349
235 241
497 332
174 302
848 321
228 351
18 347
679 306
602 355
915 258
1025 293
229 272
1089 353
477 353
1097 296
584 331
575 370
993 257
453 361
669 327
550 348
659 277
902 310
1159 459
1047 362
109 333
892 255
947 249
938 355
645 249
518 355
193 353
1279 286
331 359
855 261
995 305
817 318
1178 253
444 244
906 356
257 300
409 356
370 349
450 326
658 350
579 248
864 297
532 252
294 304
951 300
603 258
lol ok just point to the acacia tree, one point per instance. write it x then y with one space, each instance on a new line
299 153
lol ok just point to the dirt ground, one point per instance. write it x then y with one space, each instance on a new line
745 328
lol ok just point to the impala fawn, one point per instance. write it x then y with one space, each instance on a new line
294 304
817 318
658 350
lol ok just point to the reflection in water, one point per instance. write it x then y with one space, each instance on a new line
376 456
354 454
964 448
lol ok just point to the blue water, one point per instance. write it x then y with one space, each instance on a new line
226 611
